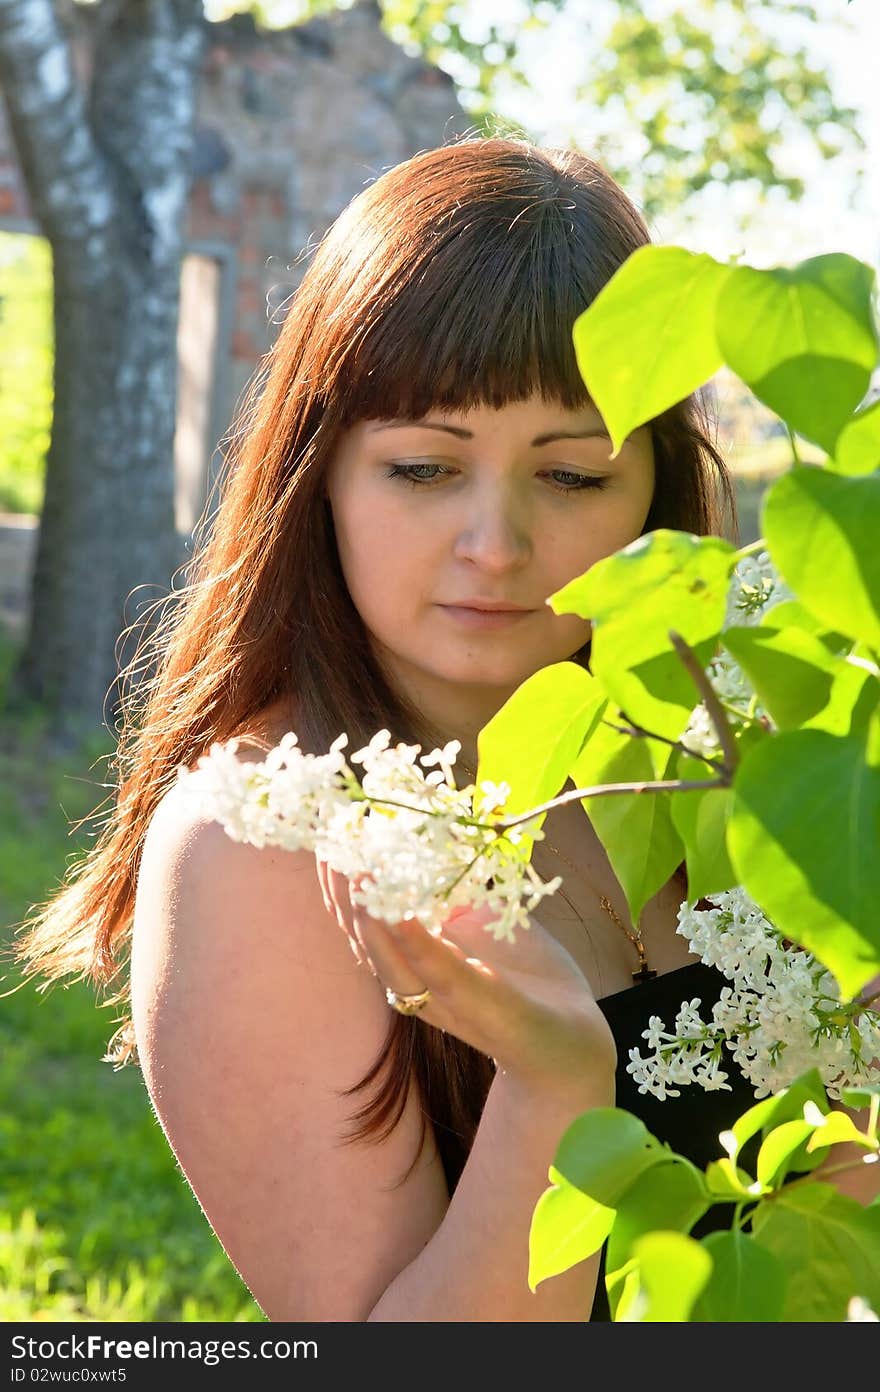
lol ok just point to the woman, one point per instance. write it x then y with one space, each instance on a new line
419 449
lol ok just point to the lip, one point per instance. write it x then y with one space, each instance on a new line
484 618
490 606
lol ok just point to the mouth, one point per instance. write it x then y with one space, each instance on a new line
490 606
484 618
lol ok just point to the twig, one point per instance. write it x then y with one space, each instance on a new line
668 785
819 1171
641 732
710 700
794 449
751 549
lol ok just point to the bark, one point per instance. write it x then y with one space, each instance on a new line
106 165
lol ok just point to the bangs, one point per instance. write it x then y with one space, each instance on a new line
485 317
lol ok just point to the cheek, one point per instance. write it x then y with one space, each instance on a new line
382 558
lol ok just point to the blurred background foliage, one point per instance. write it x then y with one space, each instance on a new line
26 336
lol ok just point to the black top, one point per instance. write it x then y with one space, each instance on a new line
689 1123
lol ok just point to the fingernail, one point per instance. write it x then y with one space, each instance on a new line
457 912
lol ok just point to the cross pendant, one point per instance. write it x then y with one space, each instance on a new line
643 974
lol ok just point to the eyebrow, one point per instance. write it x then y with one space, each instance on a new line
463 434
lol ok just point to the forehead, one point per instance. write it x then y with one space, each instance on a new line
477 417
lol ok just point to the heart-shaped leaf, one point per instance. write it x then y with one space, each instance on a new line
857 449
701 818
672 1271
661 581
567 1227
803 338
822 532
630 348
671 1196
791 670
829 1246
747 1285
817 876
532 741
636 829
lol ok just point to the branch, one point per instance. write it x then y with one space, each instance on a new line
668 785
751 549
710 700
66 181
640 732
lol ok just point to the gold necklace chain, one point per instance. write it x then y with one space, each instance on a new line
644 972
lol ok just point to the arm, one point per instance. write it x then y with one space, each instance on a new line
476 1265
251 1014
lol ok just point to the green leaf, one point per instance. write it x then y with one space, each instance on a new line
861 1095
791 671
727 1181
661 581
672 1271
778 1150
604 1151
828 1245
798 799
622 1288
852 701
792 612
531 742
838 1127
701 818
672 1196
800 679
747 1285
803 338
822 532
636 829
857 449
785 1105
567 1227
630 348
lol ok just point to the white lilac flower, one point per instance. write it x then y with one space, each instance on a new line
859 1310
781 1015
409 839
755 588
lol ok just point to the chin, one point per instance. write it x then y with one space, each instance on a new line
479 671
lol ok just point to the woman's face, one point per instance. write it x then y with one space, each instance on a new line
469 507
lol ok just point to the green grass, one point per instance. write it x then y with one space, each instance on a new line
96 1219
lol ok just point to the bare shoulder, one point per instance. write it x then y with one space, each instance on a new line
252 1017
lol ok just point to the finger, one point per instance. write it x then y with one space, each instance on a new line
466 994
389 963
450 965
393 967
333 902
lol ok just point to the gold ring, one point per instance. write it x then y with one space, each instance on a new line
407 1005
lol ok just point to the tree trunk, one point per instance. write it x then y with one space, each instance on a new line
107 175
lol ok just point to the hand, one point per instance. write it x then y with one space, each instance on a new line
526 1004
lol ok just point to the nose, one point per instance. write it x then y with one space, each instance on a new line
495 531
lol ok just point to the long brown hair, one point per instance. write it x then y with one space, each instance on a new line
452 281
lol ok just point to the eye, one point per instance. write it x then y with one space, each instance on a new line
577 482
409 473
